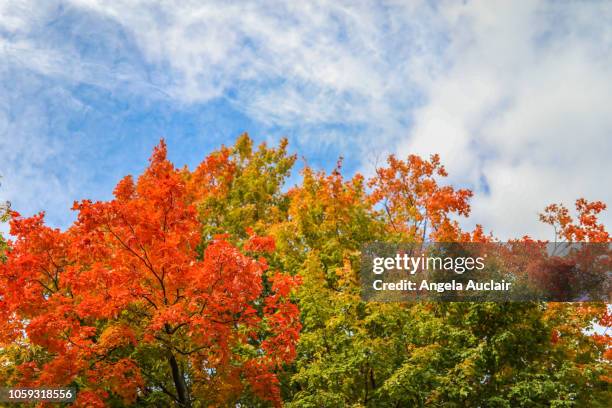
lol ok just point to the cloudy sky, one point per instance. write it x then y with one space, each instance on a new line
514 95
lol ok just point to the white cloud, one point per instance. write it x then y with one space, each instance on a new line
524 103
514 95
285 62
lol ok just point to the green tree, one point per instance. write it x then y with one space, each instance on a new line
353 353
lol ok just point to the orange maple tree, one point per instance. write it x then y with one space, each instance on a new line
131 283
416 205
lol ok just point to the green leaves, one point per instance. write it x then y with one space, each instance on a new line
194 279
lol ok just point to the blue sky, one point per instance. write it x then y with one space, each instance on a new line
513 95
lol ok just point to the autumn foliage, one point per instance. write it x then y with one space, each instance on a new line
132 280
218 286
415 203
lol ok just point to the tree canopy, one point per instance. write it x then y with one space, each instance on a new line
223 286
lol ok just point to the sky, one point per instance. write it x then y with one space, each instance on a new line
514 96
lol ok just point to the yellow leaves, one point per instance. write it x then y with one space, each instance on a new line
347 274
115 336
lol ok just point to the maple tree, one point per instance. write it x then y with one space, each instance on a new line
414 203
127 302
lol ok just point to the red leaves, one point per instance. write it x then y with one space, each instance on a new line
125 189
586 229
554 337
90 399
259 244
77 292
413 201
263 382
213 176
283 319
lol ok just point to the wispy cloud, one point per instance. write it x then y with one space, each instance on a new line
288 63
512 94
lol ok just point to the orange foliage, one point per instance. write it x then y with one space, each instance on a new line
130 272
415 203
586 229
